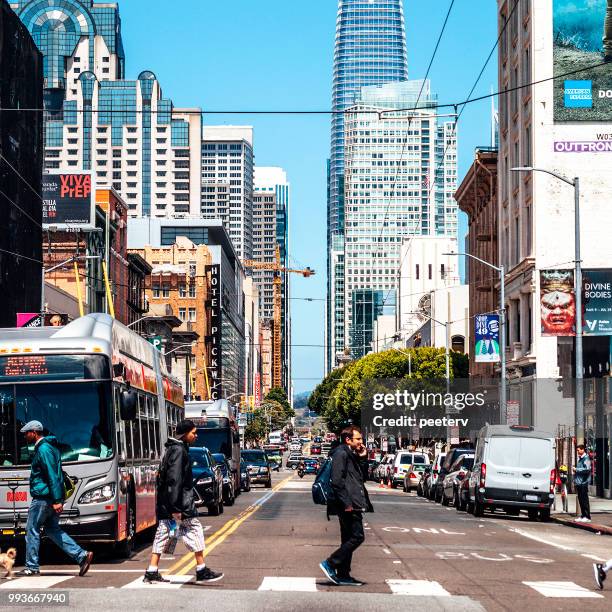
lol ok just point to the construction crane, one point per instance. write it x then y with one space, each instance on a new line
278 269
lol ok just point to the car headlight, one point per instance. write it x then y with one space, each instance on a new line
243 474
226 479
98 495
263 470
205 480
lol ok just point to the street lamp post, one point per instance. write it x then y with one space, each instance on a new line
579 402
502 329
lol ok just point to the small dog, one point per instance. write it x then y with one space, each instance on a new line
7 560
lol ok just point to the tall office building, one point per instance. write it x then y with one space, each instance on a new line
370 49
227 182
21 84
400 177
124 131
271 228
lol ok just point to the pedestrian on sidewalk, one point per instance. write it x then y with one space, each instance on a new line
601 571
582 479
48 496
348 473
176 510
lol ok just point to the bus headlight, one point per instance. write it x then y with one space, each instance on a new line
98 495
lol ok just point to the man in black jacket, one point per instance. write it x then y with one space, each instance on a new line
348 473
176 511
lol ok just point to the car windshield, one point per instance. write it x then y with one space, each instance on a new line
254 457
199 458
77 413
468 463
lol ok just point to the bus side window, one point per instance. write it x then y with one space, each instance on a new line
153 419
144 426
129 447
118 423
136 431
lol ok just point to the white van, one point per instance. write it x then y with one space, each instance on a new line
514 469
403 462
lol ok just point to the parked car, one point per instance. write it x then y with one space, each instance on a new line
435 474
424 481
450 458
402 462
412 477
294 460
315 449
464 492
208 480
245 476
514 470
259 466
456 473
229 494
317 439
295 447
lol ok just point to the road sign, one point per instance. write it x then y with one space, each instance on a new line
156 341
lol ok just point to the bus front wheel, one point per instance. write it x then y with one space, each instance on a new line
125 548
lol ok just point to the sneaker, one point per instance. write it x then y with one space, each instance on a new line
600 575
208 575
26 571
151 577
85 563
579 519
329 571
586 519
349 581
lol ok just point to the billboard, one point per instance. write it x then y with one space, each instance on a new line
67 200
597 302
582 39
32 319
558 304
486 338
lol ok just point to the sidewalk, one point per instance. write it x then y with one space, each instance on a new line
601 515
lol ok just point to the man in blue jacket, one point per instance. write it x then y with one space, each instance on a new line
582 479
47 492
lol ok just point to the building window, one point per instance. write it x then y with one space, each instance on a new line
165 290
182 314
192 314
156 291
429 271
182 290
417 272
192 290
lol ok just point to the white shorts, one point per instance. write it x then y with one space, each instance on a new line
190 530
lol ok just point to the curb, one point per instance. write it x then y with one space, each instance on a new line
592 527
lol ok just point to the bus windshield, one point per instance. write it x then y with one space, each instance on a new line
77 413
216 440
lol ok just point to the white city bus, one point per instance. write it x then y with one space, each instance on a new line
104 393
217 430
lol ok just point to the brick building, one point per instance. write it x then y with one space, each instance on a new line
179 280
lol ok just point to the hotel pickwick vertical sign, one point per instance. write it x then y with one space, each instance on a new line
213 338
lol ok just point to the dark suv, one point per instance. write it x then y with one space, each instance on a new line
451 456
258 466
208 480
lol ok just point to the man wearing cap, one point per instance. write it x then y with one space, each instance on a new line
176 511
47 492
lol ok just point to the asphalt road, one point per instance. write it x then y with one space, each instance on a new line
416 552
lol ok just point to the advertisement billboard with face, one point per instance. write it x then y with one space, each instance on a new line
582 38
558 304
67 200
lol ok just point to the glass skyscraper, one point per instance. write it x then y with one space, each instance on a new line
370 49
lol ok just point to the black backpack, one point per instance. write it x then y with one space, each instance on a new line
322 492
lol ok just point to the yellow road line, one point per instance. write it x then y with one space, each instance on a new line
220 537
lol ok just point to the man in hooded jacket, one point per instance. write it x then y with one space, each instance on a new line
47 492
176 510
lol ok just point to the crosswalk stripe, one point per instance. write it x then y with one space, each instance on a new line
34 582
561 589
428 588
287 583
176 582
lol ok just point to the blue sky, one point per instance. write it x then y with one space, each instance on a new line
277 55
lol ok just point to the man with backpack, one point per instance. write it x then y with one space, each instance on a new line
349 501
176 511
48 496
